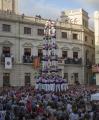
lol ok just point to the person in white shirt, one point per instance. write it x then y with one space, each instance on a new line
2 115
69 108
74 116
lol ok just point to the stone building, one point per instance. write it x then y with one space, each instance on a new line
9 6
96 21
21 37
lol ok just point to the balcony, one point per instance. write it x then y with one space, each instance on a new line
77 60
60 61
6 55
73 61
27 59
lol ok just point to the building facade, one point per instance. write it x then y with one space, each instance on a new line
21 38
10 6
96 21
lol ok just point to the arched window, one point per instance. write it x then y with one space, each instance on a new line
27 51
64 54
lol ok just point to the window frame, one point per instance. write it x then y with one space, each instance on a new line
64 35
6 28
75 36
64 56
86 38
66 76
28 48
27 80
6 81
40 32
74 55
27 30
92 41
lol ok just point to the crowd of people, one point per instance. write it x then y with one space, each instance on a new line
27 103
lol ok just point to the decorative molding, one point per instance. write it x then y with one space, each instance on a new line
76 49
65 48
40 45
6 43
27 44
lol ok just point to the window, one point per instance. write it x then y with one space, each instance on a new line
92 42
75 36
85 23
27 58
6 51
64 34
75 54
40 53
75 77
27 78
6 79
27 30
93 58
64 54
27 51
66 76
86 38
6 28
40 32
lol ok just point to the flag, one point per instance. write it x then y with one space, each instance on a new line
8 62
36 62
95 68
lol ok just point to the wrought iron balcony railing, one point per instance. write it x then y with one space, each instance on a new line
27 59
73 61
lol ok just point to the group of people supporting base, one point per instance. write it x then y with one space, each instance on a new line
56 84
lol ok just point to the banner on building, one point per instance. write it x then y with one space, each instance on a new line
8 63
95 68
36 62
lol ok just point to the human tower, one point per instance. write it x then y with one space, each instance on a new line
50 80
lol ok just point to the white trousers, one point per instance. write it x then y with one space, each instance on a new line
37 86
49 87
62 87
46 87
65 86
57 87
40 86
52 87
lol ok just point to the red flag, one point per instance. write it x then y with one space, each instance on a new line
36 62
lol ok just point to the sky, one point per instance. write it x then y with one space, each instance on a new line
51 9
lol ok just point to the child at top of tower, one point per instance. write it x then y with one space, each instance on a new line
53 30
48 24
